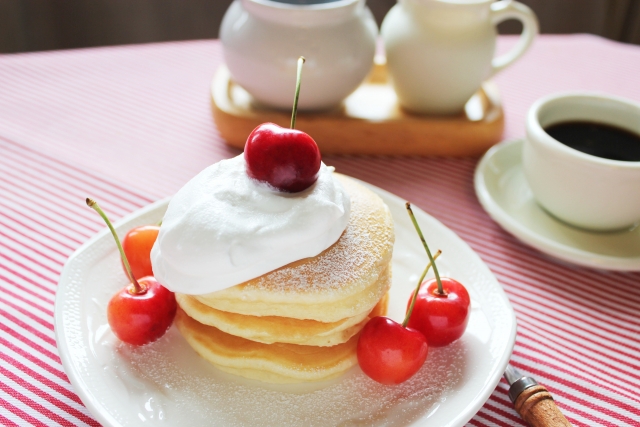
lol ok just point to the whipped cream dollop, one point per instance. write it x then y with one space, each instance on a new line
224 228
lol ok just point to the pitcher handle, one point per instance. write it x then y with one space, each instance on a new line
508 9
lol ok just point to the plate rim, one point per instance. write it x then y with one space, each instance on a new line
96 409
524 234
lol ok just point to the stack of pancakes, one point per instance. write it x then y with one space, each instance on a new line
300 322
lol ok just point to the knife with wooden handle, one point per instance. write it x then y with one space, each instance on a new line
532 401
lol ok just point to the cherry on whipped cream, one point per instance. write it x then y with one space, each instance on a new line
286 159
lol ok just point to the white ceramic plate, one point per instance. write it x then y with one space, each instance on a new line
504 193
167 383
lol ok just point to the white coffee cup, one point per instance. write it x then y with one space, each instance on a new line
580 189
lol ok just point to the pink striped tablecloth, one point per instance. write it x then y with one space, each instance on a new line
130 125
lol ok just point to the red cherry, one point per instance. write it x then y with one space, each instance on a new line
287 159
141 317
440 310
137 244
143 310
390 353
442 318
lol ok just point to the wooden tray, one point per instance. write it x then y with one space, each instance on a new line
369 122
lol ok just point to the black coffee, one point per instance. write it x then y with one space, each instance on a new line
597 139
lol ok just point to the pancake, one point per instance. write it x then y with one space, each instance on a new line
300 322
272 329
342 282
274 363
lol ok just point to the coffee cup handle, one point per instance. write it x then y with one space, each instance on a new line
508 9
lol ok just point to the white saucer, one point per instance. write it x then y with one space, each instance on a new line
504 193
167 384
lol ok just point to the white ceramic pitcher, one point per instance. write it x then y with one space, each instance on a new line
263 39
440 51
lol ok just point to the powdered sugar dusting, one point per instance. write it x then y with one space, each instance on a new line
365 246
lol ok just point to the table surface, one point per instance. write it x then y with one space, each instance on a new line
129 125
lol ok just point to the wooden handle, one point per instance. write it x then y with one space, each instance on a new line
536 406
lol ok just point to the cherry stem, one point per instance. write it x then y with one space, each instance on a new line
415 294
301 61
426 248
94 205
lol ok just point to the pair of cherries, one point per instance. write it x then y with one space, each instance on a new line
142 311
437 315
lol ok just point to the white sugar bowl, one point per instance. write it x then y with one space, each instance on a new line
263 39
